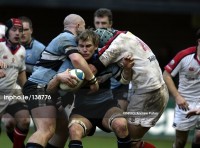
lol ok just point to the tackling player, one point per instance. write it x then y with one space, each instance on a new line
150 92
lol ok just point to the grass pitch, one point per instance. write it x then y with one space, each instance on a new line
102 140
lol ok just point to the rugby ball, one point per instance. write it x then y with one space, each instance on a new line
77 73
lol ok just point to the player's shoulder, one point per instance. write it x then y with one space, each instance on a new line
38 44
2 43
182 55
66 38
188 51
67 34
22 49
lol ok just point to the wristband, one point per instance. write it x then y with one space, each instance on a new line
93 77
124 81
92 81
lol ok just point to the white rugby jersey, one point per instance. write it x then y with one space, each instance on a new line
15 63
147 75
187 65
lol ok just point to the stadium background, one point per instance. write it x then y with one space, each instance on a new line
167 26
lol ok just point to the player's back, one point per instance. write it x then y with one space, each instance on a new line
147 75
52 58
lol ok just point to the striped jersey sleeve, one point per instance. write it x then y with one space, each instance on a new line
174 66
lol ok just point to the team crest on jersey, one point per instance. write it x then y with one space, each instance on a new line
191 69
172 62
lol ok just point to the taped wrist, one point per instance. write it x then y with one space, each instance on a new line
123 80
92 81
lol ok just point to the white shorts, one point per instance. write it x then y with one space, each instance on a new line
181 122
146 109
13 97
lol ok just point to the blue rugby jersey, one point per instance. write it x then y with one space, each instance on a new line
104 93
53 56
33 51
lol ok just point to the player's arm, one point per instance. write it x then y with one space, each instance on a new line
2 67
2 73
193 112
79 62
63 77
123 75
22 78
181 102
113 53
127 72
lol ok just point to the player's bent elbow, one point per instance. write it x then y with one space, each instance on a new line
75 58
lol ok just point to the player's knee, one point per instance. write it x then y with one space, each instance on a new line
47 132
9 123
23 123
119 126
77 129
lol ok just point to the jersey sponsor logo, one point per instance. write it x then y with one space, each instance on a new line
152 58
13 66
192 77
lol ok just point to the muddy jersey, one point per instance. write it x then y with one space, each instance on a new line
147 75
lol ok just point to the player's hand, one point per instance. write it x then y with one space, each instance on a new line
182 103
3 65
67 78
128 62
2 73
193 112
